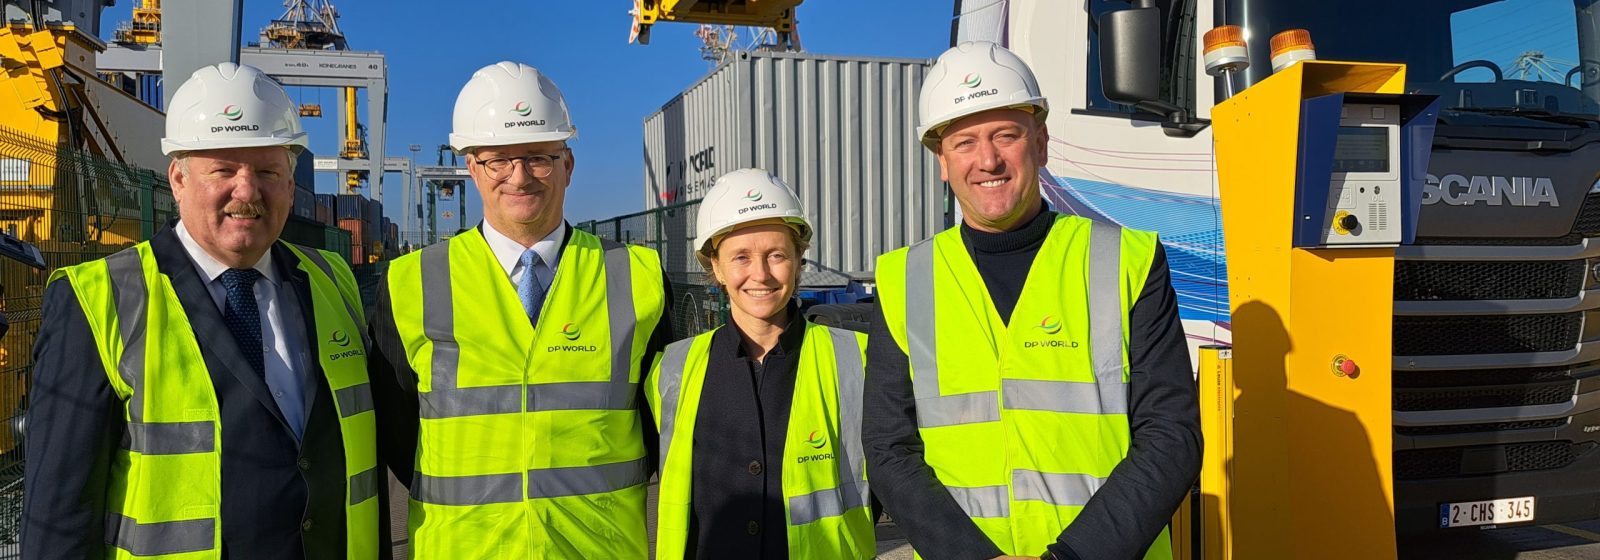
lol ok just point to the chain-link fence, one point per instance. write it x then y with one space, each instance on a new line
697 305
74 207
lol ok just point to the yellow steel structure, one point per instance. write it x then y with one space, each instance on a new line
51 96
1217 393
777 14
355 142
146 26
1305 456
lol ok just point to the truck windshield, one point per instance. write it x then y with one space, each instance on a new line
1527 57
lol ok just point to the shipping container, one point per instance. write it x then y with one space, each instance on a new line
841 131
150 90
357 230
305 204
325 204
374 225
351 207
305 171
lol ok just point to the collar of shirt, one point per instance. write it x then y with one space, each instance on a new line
794 334
210 269
508 251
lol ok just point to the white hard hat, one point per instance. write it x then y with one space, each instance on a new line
971 78
509 103
744 196
231 105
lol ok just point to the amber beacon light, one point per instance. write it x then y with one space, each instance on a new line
1291 46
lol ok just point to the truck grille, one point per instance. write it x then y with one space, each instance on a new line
1477 428
1410 400
1563 241
1419 379
1588 221
1461 281
1483 460
1485 334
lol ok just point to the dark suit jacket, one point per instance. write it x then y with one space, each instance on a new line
280 498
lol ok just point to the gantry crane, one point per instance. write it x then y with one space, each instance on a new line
145 29
307 26
775 14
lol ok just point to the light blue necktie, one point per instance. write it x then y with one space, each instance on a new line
530 289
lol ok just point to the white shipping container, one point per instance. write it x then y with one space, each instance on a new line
841 131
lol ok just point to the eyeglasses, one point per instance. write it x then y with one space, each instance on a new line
538 165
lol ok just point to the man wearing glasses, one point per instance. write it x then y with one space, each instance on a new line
507 360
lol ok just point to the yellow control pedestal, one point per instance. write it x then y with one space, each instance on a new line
1298 424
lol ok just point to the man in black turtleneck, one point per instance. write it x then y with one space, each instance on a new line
990 150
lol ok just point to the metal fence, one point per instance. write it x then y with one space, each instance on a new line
697 304
74 207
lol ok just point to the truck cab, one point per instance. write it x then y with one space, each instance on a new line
1496 304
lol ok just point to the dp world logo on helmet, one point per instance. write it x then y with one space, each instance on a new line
1050 325
234 113
523 110
571 332
755 196
972 81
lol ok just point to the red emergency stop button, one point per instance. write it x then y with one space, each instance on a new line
1343 366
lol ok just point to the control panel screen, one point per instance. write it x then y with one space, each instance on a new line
1361 149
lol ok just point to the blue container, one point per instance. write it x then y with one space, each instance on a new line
351 207
150 90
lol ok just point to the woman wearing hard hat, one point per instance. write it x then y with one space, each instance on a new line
778 471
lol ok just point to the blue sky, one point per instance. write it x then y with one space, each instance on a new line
432 49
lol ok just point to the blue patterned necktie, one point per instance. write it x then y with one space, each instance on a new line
241 315
529 288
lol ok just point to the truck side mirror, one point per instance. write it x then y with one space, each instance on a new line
1130 55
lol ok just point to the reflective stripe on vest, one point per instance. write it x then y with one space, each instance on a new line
1052 488
152 539
808 508
1108 395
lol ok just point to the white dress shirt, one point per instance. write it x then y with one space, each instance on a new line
509 253
284 348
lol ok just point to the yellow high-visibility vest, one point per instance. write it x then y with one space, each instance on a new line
164 494
1022 420
824 466
530 442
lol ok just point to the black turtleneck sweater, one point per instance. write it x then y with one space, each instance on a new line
1144 490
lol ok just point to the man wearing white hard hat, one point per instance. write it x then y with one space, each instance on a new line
204 394
508 360
760 419
1028 386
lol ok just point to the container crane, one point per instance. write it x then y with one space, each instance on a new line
307 26
145 29
775 14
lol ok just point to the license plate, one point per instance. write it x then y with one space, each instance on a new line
1487 512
